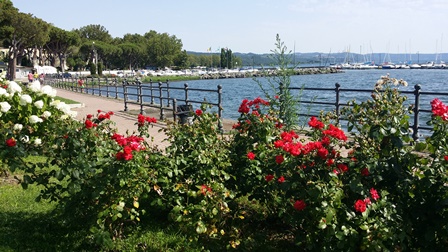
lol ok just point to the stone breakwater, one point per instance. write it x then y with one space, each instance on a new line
251 74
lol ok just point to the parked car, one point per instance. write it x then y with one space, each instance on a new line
66 75
120 74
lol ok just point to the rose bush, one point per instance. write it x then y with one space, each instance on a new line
371 188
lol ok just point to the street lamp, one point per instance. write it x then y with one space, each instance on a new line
94 60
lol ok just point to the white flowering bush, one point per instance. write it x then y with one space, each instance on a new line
28 116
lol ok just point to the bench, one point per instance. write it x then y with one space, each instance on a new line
184 112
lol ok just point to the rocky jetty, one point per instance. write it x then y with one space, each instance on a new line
263 73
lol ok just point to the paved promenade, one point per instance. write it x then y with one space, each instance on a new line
90 104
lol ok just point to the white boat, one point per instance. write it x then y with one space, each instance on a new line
415 66
428 64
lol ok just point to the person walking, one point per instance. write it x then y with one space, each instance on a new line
41 78
30 77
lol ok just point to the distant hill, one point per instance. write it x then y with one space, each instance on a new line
325 59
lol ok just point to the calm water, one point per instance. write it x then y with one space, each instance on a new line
235 90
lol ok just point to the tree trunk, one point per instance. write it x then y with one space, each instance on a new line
12 68
35 63
62 61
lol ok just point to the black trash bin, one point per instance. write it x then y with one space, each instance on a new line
184 112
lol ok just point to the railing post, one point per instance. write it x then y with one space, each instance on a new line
168 92
140 97
125 95
220 108
99 87
116 88
162 112
174 110
416 112
186 93
337 89
151 89
139 91
107 88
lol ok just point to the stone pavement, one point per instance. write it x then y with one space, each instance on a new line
90 104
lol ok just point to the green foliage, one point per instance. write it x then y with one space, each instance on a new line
279 94
414 181
92 67
263 187
100 69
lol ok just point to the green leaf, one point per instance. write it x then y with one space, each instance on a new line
364 227
420 146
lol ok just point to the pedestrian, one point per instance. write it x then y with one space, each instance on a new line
30 77
81 83
36 76
41 78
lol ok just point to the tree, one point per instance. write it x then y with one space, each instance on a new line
287 104
94 33
61 42
162 49
131 53
23 31
227 58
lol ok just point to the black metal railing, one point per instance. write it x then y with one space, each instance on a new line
337 104
160 95
105 87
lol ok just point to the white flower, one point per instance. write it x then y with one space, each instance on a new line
18 127
48 90
35 119
73 114
46 114
25 139
24 99
2 91
39 104
62 106
37 142
4 107
34 86
14 87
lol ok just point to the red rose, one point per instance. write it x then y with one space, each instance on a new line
374 194
11 142
205 189
269 177
314 123
198 112
343 167
367 201
322 153
279 159
365 172
88 124
446 158
251 155
281 179
299 205
360 206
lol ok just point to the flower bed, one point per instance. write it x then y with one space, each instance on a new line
234 191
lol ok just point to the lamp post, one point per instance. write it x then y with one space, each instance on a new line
94 59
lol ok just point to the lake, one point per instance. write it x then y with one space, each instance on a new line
235 90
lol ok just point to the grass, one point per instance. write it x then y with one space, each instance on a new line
67 101
27 225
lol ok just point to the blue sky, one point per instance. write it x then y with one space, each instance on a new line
361 26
